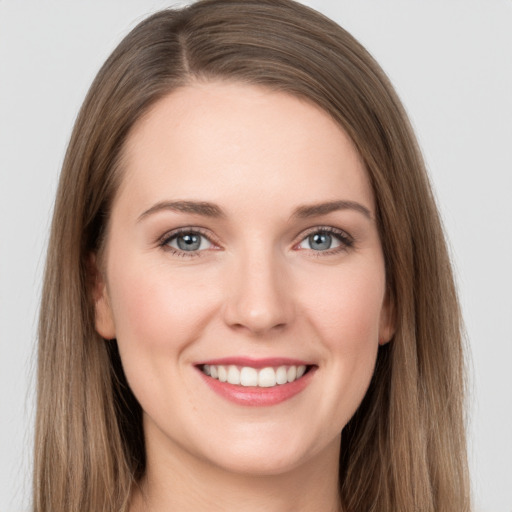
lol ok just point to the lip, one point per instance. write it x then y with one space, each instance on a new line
256 396
256 363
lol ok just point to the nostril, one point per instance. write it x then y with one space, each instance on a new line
259 328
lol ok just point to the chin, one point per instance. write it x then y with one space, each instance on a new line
267 453
250 463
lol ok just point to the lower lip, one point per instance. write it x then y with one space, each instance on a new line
256 396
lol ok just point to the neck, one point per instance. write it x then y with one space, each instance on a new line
177 480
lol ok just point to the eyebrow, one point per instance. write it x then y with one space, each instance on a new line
196 207
207 209
314 210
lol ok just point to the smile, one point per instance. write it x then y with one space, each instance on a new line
248 376
249 382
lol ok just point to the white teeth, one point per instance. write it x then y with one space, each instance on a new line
223 374
247 376
267 378
291 374
233 375
281 377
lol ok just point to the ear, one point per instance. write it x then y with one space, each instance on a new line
103 317
387 322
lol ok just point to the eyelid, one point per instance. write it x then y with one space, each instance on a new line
164 240
346 240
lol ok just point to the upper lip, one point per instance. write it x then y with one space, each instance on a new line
255 363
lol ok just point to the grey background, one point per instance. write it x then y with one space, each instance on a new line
451 62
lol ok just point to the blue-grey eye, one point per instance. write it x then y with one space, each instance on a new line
188 242
320 241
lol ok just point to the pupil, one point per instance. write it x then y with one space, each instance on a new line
320 241
189 242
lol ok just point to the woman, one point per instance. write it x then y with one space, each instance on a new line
248 301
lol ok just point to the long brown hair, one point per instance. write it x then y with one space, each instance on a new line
404 450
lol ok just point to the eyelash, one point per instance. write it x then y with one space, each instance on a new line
346 241
168 237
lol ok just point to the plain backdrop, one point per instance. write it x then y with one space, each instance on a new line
451 62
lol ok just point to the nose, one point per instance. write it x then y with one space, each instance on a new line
260 295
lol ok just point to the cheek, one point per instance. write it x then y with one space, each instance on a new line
157 316
346 306
344 310
153 306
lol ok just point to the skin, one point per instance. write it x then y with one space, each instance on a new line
256 288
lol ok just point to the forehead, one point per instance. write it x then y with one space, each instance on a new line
230 141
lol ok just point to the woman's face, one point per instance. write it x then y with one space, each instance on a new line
243 244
